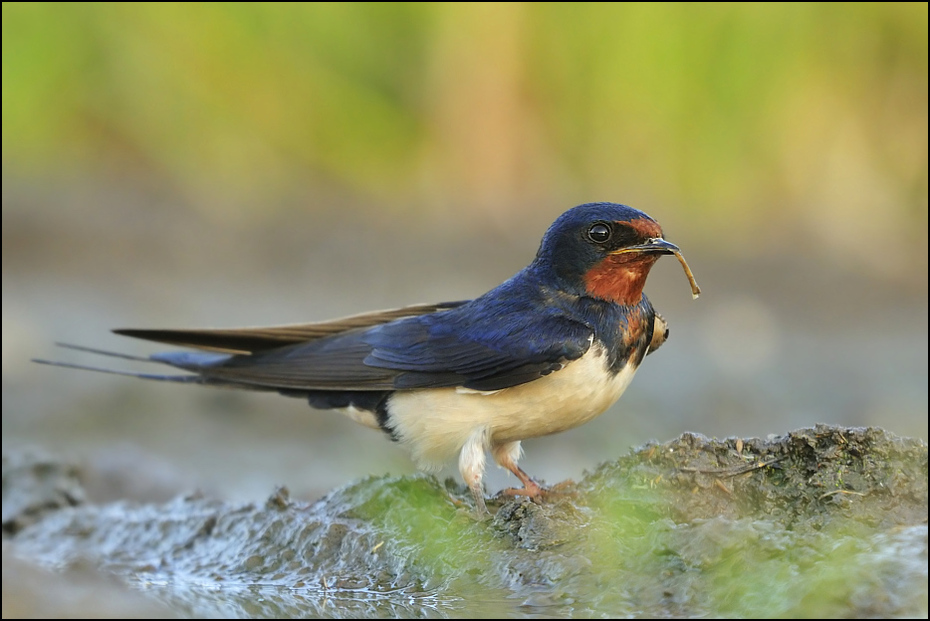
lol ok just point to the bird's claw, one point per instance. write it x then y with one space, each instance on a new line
530 489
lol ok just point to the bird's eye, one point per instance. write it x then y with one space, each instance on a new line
599 233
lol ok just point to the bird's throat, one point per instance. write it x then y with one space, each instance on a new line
620 278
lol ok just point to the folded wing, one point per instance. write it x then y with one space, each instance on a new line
250 340
452 346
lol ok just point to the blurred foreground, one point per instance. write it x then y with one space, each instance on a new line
822 523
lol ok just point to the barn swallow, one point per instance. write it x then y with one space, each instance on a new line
548 350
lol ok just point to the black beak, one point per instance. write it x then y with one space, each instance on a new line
656 245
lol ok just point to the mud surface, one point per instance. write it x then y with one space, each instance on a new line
820 522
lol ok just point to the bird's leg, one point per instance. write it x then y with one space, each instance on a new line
471 465
507 455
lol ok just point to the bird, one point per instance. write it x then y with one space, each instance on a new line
546 351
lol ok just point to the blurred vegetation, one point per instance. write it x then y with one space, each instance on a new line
746 115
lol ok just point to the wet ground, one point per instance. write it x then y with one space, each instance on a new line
823 522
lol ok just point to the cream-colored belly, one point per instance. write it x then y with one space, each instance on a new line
435 423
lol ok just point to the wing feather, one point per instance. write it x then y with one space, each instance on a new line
250 340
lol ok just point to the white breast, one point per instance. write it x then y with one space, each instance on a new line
435 423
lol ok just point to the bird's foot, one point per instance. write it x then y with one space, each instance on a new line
537 492
531 489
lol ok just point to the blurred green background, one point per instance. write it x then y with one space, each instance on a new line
763 120
222 164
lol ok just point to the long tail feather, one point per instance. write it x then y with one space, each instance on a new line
188 361
103 352
184 379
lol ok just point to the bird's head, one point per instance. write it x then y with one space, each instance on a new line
604 251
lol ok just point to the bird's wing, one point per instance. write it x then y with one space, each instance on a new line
488 353
251 340
477 350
